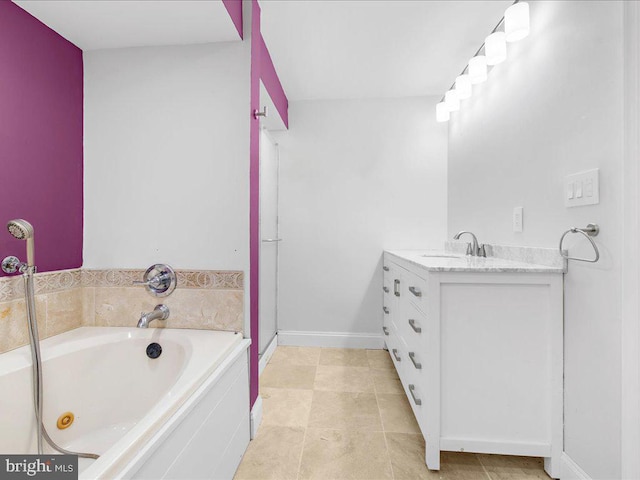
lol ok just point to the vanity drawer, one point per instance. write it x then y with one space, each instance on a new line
412 326
415 289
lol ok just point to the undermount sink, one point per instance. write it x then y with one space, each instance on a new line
440 255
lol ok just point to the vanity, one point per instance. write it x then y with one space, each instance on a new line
478 345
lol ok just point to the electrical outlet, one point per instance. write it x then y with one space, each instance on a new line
517 219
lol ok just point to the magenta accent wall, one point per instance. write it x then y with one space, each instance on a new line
272 83
254 201
234 7
40 139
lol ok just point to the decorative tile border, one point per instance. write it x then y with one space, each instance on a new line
12 288
202 279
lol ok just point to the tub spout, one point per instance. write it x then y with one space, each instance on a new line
161 312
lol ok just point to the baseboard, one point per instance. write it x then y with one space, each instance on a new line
256 416
570 470
330 339
268 353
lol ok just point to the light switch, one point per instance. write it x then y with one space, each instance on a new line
582 189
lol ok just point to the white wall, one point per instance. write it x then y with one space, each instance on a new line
555 108
356 177
167 157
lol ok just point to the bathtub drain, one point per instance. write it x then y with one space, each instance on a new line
154 350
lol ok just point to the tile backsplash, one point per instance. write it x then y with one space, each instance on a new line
68 299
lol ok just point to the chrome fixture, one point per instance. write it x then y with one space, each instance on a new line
161 312
592 230
258 113
473 248
23 230
159 279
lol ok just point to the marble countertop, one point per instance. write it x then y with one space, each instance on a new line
446 261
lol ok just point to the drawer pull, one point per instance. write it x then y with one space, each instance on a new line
416 400
412 356
385 310
415 291
416 329
396 287
386 289
385 330
395 354
385 268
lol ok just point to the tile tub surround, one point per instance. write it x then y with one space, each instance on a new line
342 414
68 299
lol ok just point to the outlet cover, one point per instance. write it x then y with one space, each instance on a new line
517 219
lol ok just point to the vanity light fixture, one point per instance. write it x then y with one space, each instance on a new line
492 52
516 21
463 86
452 101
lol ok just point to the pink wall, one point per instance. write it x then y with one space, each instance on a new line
234 7
40 139
272 83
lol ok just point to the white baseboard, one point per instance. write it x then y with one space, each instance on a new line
256 416
268 353
570 470
330 339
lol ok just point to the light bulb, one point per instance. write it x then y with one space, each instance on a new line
463 86
478 69
452 101
495 48
516 21
442 112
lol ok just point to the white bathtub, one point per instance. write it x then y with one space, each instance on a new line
127 406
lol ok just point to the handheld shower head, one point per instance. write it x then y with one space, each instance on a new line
23 230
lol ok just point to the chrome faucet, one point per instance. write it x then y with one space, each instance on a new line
161 312
473 248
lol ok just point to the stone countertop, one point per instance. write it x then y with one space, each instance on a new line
446 261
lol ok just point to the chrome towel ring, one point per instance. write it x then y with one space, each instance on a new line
590 231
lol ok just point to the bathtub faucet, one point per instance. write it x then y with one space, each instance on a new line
161 312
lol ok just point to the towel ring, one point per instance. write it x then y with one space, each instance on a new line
590 231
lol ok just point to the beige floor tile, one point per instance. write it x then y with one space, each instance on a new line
386 381
344 454
296 355
286 407
273 455
380 359
282 375
348 357
343 379
344 410
396 414
505 467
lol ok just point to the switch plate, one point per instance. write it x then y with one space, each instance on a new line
582 188
517 219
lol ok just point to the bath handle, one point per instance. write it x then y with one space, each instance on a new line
416 400
159 279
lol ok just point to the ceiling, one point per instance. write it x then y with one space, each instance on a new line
97 24
374 48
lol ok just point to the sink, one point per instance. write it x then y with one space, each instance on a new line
440 255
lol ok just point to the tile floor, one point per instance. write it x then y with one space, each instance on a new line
334 414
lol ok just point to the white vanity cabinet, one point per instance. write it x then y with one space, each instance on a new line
477 344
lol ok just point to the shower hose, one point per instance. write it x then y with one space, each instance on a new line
37 369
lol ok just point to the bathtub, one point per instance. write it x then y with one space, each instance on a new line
184 414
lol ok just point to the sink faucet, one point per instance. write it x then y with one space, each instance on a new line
473 248
161 312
